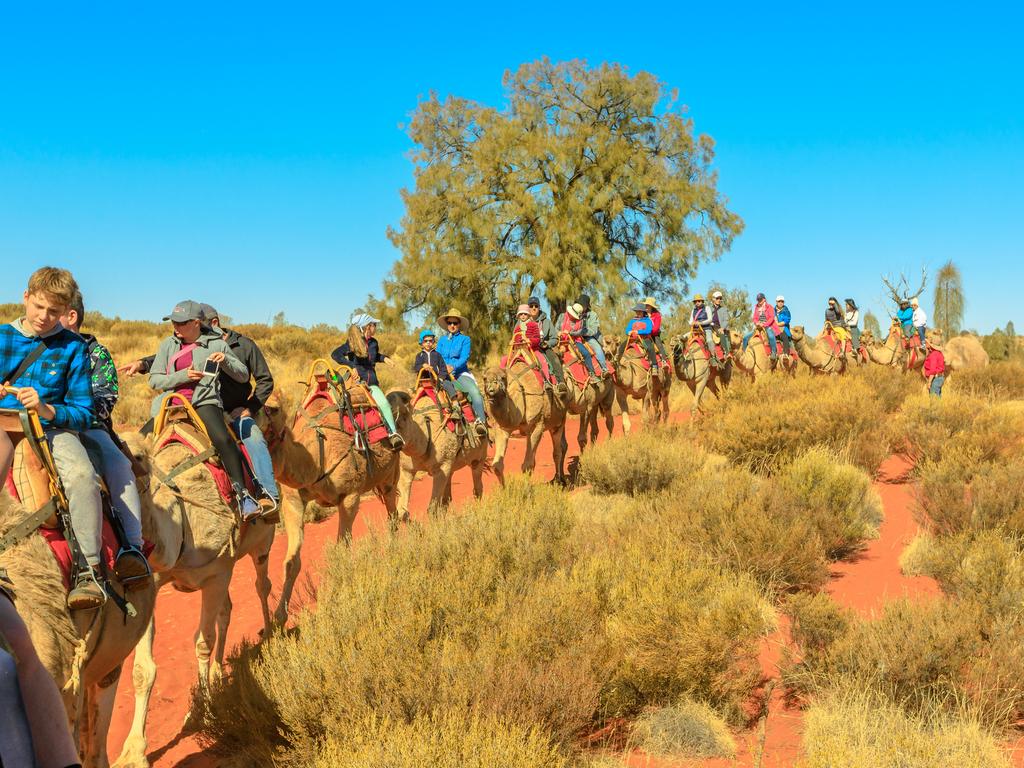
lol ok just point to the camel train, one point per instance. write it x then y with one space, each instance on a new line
332 445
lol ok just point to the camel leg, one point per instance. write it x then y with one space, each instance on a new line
292 514
261 564
215 597
620 398
532 443
405 479
698 393
478 480
99 707
560 448
500 445
609 418
133 751
440 479
447 498
348 508
220 631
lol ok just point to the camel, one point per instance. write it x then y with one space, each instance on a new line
432 448
633 380
964 353
196 543
893 351
753 360
84 652
692 366
587 400
519 403
819 357
333 471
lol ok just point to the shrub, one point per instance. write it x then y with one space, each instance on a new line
851 730
687 728
641 463
765 426
440 741
961 425
961 492
1000 381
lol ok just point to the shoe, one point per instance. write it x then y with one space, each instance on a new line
396 442
561 389
548 387
131 565
267 505
656 373
248 508
481 428
87 592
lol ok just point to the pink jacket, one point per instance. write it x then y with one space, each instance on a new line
764 315
655 322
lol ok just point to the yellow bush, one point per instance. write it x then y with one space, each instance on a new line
851 730
687 728
999 381
440 741
641 462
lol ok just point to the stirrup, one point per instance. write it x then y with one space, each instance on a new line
126 580
83 578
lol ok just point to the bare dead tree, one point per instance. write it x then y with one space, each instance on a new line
900 291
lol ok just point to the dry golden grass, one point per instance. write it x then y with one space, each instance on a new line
684 729
999 381
851 729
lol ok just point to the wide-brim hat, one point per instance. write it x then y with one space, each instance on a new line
639 308
698 297
575 311
650 302
442 320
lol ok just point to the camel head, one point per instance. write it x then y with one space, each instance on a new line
274 416
735 340
610 344
400 402
495 382
139 445
798 333
867 338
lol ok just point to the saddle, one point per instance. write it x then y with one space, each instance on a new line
458 415
331 390
697 339
759 332
838 340
520 350
573 362
33 482
634 344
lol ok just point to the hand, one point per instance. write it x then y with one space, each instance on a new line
29 398
132 369
389 361
194 375
451 371
241 413
216 357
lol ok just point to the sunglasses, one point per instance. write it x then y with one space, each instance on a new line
454 322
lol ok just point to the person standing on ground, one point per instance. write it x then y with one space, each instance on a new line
935 368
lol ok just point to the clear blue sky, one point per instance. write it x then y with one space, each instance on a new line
252 155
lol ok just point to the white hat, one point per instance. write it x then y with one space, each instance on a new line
575 311
716 295
780 297
913 302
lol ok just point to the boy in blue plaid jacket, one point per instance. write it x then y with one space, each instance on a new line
57 386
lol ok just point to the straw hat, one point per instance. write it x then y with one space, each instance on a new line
650 302
575 311
698 297
442 320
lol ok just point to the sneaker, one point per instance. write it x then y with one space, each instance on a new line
396 442
130 565
481 428
248 508
87 592
561 389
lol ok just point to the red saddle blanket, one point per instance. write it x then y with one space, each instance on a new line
431 394
217 471
62 552
641 354
538 362
367 417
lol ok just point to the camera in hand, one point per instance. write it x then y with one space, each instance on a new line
210 368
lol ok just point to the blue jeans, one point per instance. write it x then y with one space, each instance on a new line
466 383
771 340
920 333
116 470
587 359
935 388
254 442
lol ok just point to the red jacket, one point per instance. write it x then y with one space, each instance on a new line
532 333
655 321
764 316
934 364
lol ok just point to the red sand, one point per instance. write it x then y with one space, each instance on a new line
863 584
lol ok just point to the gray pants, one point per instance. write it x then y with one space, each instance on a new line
15 737
82 487
855 336
116 470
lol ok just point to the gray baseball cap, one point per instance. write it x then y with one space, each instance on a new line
186 310
208 312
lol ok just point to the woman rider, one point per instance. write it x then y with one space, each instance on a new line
362 352
179 367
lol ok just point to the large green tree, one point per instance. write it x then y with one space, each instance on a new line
587 180
949 300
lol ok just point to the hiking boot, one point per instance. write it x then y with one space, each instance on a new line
131 565
656 372
396 442
481 428
561 389
548 387
87 592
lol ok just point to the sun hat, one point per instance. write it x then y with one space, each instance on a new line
442 320
208 312
780 297
650 302
913 302
716 295
575 311
524 309
362 319
639 308
427 333
698 297
184 311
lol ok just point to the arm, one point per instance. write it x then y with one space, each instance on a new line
103 379
76 412
264 379
461 355
342 355
418 361
230 365
160 381
146 363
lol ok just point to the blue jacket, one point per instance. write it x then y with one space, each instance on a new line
642 325
434 360
454 348
783 317
365 366
60 375
906 316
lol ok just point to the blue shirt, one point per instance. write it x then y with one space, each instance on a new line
60 375
905 316
641 325
454 348
784 317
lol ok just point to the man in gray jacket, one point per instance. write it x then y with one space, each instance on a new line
181 366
